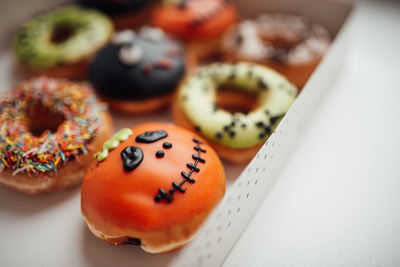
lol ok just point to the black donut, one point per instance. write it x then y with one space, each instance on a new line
158 69
112 7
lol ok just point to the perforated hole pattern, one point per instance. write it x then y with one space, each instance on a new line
230 219
242 199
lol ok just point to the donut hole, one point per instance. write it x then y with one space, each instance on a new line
61 33
235 100
41 119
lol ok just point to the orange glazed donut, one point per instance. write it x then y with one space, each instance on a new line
125 13
195 19
199 22
49 129
153 186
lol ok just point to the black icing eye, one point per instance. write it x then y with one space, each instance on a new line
159 154
167 145
132 156
151 136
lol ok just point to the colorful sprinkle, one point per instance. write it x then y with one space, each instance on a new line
21 151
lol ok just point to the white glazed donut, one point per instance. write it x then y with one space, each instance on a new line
290 44
235 135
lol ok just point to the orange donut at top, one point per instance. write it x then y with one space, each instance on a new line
153 189
195 19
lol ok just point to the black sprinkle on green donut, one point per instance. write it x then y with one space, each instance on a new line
63 36
275 95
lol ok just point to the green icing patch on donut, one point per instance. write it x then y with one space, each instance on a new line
120 136
198 100
63 36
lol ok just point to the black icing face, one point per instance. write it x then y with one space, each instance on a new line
154 64
132 156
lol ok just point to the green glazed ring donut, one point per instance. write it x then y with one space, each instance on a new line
64 36
198 98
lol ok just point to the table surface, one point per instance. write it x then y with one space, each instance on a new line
337 202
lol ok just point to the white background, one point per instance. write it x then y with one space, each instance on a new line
337 202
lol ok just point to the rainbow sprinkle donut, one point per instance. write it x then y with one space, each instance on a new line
46 125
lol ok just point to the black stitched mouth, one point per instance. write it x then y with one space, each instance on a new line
168 196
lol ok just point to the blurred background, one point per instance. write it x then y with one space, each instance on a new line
337 202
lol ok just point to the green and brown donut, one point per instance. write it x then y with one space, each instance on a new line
234 106
62 41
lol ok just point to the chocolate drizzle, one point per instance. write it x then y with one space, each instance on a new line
168 196
132 156
151 136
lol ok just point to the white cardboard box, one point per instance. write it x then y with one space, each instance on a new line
50 229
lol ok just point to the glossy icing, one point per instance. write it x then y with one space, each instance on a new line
88 30
198 101
194 19
126 199
131 156
151 136
177 187
138 66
